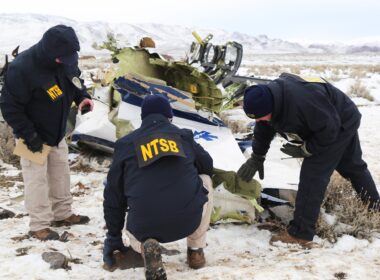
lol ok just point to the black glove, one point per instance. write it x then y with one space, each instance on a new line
85 109
111 244
295 149
249 168
35 143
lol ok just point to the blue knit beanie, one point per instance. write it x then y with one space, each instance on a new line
156 104
258 101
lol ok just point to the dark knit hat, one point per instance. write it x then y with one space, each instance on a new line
258 101
60 41
156 104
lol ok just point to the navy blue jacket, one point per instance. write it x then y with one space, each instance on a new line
164 198
39 92
315 111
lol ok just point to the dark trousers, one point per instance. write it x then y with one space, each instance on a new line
345 156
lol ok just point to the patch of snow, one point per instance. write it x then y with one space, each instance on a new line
329 219
349 243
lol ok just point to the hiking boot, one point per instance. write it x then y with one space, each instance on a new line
151 253
196 258
286 238
72 220
44 234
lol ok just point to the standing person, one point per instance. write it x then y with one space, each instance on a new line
321 124
161 176
41 84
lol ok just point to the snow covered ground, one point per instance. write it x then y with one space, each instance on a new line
233 252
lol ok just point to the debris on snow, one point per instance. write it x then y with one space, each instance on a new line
55 259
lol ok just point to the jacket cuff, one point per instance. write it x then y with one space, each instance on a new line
82 97
113 236
258 155
305 151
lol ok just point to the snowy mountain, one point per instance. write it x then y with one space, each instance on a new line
366 47
26 29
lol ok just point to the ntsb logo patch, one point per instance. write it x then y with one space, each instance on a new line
54 92
153 147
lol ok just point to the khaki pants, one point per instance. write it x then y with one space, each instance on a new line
47 188
198 238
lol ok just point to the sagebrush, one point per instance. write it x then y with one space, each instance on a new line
352 216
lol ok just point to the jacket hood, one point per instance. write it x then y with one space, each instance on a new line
58 41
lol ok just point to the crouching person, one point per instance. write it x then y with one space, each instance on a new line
161 177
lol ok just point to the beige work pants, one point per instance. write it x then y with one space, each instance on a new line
198 238
47 188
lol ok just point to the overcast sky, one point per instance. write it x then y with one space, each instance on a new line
298 20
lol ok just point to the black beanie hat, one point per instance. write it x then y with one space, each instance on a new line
258 101
156 104
60 41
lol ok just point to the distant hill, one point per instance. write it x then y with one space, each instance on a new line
25 30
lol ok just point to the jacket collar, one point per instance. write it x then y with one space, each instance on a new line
154 118
277 92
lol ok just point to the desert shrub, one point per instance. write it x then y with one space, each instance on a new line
358 71
7 143
336 71
334 74
359 90
374 68
333 78
273 70
351 215
320 68
295 69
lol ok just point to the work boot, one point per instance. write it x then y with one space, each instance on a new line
44 234
286 238
72 220
196 258
151 253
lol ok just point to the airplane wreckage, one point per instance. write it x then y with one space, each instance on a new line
198 89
